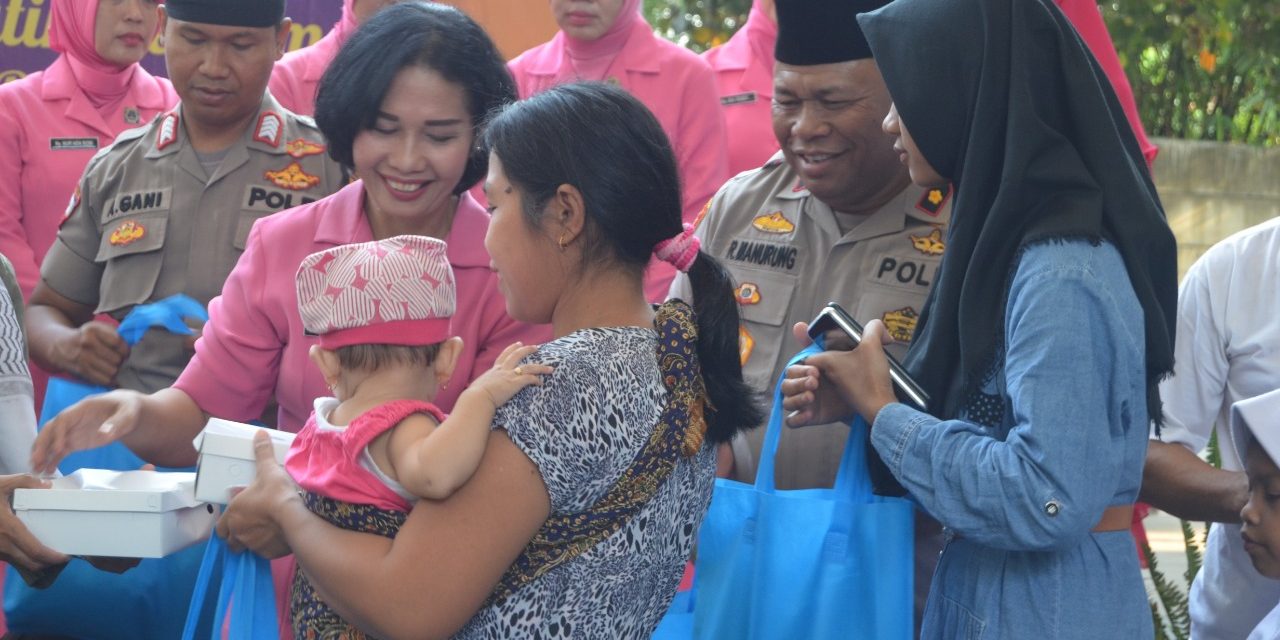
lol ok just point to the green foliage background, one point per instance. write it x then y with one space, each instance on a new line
1200 69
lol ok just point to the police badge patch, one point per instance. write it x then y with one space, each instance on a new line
930 244
901 323
127 233
292 177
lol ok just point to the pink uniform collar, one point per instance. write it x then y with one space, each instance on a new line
465 241
641 54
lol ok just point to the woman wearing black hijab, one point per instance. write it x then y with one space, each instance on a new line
1050 323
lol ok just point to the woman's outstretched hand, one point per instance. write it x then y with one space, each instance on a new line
836 385
92 422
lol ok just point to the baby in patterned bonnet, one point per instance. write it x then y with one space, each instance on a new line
382 311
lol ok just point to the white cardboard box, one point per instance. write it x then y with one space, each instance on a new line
122 514
226 457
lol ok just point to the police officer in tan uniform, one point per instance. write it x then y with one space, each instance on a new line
833 216
167 208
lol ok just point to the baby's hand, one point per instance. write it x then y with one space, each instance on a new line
507 377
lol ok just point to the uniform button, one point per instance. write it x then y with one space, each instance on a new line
1052 508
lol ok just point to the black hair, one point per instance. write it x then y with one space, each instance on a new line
371 357
435 36
608 145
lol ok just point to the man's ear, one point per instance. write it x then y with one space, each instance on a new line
447 359
282 37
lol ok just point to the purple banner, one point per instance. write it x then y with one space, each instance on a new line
24 34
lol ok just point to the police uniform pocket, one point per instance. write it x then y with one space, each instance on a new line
764 301
131 253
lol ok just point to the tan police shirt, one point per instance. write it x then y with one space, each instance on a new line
147 221
789 258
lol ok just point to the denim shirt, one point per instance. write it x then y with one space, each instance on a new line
1065 437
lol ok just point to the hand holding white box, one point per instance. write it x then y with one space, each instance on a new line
118 514
226 457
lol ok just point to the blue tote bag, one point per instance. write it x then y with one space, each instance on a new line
246 604
814 563
146 602
61 393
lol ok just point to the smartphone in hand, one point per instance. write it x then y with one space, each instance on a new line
834 317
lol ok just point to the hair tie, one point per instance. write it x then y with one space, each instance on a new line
679 250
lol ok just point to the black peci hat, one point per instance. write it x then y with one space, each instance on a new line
822 31
231 13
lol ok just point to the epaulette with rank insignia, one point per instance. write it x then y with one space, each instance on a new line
931 201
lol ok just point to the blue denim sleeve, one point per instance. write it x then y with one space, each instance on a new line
1071 365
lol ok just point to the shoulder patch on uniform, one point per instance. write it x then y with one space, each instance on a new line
775 222
901 323
932 200
127 233
697 222
930 244
71 206
301 148
746 344
292 177
168 131
268 129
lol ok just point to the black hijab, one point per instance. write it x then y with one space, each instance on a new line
1003 97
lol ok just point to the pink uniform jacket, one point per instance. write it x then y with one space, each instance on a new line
744 74
296 77
678 87
254 344
48 132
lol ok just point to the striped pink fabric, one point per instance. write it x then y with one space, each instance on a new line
394 291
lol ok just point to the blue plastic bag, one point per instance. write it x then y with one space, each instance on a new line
246 596
813 563
146 602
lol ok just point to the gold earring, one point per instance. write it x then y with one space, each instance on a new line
562 243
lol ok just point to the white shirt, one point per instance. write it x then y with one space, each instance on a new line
1227 349
1269 629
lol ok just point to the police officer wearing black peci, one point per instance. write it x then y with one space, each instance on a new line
832 216
167 208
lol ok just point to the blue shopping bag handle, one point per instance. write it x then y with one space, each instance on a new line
852 479
168 313
245 590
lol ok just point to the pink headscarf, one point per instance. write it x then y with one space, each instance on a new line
591 58
71 32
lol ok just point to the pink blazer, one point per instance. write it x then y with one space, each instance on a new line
48 132
679 88
746 92
254 344
296 76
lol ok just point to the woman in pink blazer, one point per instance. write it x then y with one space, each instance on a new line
609 40
296 76
53 121
744 73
